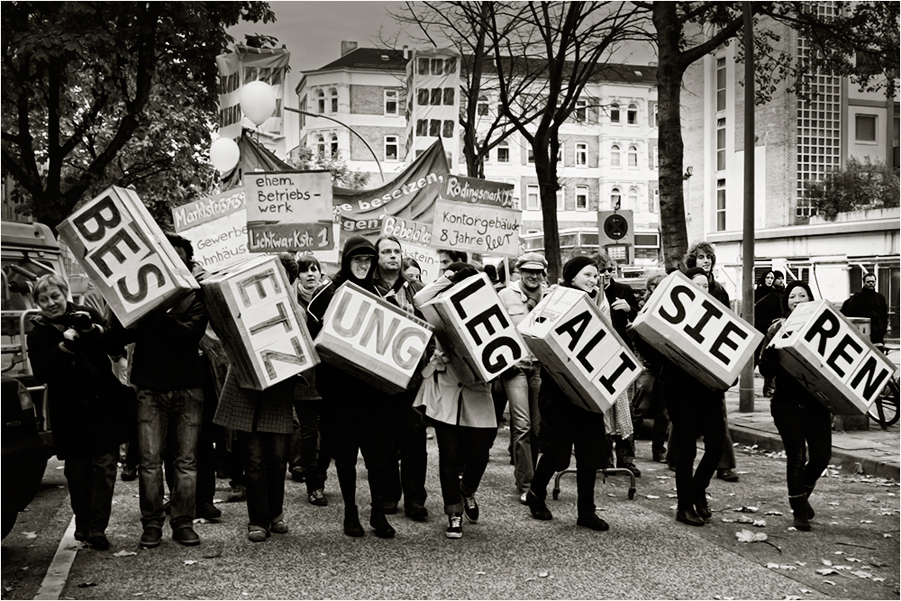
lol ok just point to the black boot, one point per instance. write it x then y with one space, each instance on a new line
810 512
799 511
702 507
379 522
352 526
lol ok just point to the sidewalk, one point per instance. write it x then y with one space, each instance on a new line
872 452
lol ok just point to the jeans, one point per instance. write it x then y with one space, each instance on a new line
409 477
265 456
805 431
522 391
171 418
691 417
461 449
309 449
91 481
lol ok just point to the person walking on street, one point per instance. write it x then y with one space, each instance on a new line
69 348
767 309
869 303
566 427
359 415
804 423
522 382
462 415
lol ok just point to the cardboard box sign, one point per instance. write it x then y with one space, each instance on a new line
253 309
822 349
126 254
580 349
475 329
695 331
372 339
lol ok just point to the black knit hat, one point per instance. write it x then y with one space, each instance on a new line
691 273
572 267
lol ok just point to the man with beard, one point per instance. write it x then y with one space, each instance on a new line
871 304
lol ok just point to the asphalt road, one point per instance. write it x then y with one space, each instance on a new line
507 555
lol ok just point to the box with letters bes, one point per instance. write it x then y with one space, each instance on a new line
826 353
372 339
580 349
475 329
253 309
126 255
694 330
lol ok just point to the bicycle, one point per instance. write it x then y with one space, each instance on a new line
884 410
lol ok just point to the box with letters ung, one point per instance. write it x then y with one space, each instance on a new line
826 353
372 339
255 313
475 329
694 330
580 349
126 255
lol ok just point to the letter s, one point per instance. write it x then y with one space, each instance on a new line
674 295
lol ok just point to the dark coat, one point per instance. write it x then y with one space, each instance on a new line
82 389
767 310
621 319
869 303
788 389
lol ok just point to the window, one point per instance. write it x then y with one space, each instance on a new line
320 146
633 199
720 144
721 84
581 112
448 96
632 115
561 199
334 146
422 127
391 148
581 198
437 66
653 201
721 205
865 128
533 200
633 156
422 97
482 106
434 127
615 199
530 156
422 65
391 102
581 154
320 102
655 156
503 153
654 115
435 94
614 156
614 113
560 155
333 99
447 129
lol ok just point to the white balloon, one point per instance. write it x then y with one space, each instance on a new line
224 154
257 101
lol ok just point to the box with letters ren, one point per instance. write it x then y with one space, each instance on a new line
255 313
126 255
580 349
826 353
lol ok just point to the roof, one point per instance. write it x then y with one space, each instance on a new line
377 59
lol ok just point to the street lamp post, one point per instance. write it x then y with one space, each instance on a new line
746 381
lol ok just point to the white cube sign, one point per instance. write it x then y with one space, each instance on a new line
580 349
695 331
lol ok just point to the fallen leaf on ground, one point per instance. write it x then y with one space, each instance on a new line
780 566
480 573
806 590
801 563
826 571
542 574
833 503
743 519
29 535
124 553
728 520
853 559
790 598
878 579
886 536
746 536
826 562
190 562
748 509
670 495
829 582
866 521
862 574
530 579
773 513
759 523
652 496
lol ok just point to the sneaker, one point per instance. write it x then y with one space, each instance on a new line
538 507
727 475
591 520
454 526
257 535
151 537
99 542
279 527
317 497
471 508
186 537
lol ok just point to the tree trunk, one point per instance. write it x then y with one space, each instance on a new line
546 172
669 87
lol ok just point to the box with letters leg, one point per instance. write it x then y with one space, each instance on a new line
253 310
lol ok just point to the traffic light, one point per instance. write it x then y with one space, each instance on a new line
616 234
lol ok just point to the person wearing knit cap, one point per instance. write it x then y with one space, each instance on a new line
804 423
522 382
357 417
566 426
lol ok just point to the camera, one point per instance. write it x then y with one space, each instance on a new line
81 321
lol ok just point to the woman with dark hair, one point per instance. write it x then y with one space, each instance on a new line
411 270
70 351
767 309
566 426
804 423
362 410
764 285
463 417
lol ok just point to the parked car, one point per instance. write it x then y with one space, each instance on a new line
25 453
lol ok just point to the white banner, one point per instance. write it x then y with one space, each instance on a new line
244 65
433 102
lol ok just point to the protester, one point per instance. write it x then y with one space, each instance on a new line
619 306
764 285
407 479
779 282
804 423
701 254
359 417
310 456
411 269
69 348
649 402
767 309
870 304
565 426
462 415
522 382
446 257
168 373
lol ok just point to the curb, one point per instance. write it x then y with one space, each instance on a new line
851 463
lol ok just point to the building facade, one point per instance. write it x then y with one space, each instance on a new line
608 150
